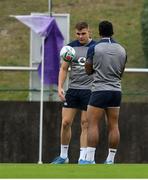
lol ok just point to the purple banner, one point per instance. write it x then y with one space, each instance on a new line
53 44
47 27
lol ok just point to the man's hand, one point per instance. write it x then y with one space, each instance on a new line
61 94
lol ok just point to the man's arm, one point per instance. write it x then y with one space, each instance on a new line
89 61
62 77
89 68
124 66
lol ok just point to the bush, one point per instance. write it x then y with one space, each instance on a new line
144 23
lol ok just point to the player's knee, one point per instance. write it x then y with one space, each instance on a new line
66 124
112 125
84 124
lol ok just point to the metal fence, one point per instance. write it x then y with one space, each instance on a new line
10 92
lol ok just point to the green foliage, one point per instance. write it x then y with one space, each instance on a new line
144 23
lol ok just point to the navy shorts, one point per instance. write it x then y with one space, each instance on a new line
77 98
105 99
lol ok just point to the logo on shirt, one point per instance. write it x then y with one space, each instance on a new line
82 61
65 104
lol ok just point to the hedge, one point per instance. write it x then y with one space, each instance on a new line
144 23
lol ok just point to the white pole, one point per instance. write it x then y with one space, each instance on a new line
17 68
41 105
50 7
136 70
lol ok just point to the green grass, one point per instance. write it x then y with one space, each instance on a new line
125 15
73 171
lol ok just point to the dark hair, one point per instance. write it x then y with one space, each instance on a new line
81 25
106 29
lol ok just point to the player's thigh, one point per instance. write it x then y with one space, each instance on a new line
83 115
94 114
113 115
68 114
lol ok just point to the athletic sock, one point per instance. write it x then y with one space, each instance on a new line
64 151
90 156
111 154
83 151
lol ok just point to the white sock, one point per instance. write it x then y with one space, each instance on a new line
111 154
90 156
64 151
83 151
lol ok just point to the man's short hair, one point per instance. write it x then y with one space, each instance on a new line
81 25
106 29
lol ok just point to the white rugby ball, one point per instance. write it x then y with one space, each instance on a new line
67 53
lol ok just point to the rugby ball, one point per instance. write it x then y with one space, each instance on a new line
67 53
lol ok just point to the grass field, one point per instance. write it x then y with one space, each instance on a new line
73 171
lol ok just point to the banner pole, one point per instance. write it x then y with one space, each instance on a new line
50 7
41 105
